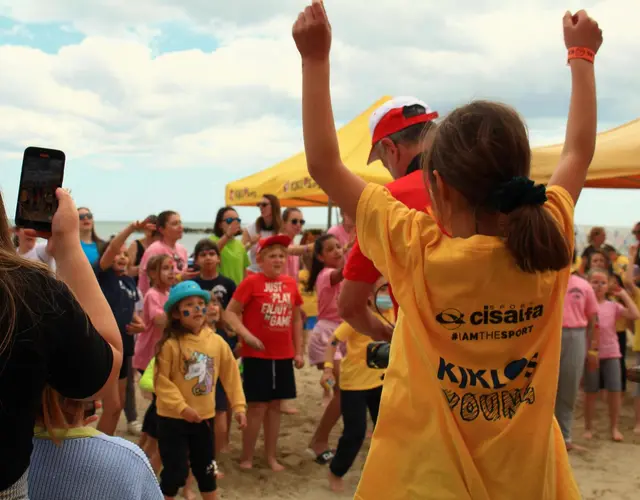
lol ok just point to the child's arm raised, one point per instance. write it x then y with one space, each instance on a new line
106 261
580 32
630 310
312 34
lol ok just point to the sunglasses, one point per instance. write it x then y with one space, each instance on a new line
262 204
295 222
231 220
85 216
179 262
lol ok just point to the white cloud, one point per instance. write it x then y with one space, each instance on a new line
238 107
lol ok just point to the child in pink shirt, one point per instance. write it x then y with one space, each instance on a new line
607 350
326 278
578 321
160 270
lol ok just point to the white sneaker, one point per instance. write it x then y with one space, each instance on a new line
134 428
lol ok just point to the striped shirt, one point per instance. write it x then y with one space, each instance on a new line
87 465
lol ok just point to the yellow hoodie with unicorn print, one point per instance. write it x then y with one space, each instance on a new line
187 371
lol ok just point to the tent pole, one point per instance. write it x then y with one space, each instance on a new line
328 214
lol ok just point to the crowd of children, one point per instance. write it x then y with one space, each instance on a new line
212 348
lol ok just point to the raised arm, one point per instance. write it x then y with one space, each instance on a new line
312 34
106 261
580 32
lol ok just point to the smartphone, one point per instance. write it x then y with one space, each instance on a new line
42 173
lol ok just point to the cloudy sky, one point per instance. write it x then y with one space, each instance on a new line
159 103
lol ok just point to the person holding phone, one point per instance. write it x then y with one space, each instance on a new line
59 332
234 259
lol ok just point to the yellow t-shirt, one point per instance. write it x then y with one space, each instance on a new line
187 373
620 265
355 375
310 304
468 398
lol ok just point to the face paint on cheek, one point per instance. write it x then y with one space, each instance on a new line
204 310
186 314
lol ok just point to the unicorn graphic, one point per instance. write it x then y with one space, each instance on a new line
199 366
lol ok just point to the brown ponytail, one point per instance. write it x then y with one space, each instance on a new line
482 151
535 240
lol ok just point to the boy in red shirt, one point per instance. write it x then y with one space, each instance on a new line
265 312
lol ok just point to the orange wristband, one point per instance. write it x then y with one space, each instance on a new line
581 53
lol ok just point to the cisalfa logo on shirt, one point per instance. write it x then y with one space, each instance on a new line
512 316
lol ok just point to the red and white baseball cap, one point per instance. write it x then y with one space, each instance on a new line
393 117
277 239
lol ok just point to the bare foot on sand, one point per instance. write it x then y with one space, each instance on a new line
225 449
588 434
636 429
575 447
617 436
188 494
335 483
275 465
246 464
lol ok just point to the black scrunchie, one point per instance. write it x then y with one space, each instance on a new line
515 193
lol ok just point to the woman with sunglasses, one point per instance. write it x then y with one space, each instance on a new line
268 224
90 241
234 259
292 225
169 225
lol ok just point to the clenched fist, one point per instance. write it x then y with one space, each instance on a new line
312 32
581 31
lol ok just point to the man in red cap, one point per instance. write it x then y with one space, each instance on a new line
400 132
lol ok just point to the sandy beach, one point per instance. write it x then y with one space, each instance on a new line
607 471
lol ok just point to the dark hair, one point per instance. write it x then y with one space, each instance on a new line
412 134
221 324
477 150
607 260
217 230
595 231
276 216
288 211
102 250
17 274
163 218
316 265
100 243
204 245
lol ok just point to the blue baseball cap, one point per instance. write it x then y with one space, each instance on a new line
184 290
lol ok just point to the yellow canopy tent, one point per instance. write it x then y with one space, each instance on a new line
616 163
290 180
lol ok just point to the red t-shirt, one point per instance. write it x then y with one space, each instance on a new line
410 190
268 314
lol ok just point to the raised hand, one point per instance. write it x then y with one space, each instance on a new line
143 226
312 32
64 225
581 31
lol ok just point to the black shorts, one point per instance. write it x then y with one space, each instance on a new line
266 380
150 422
124 369
222 404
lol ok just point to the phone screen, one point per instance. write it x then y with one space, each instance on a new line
42 174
